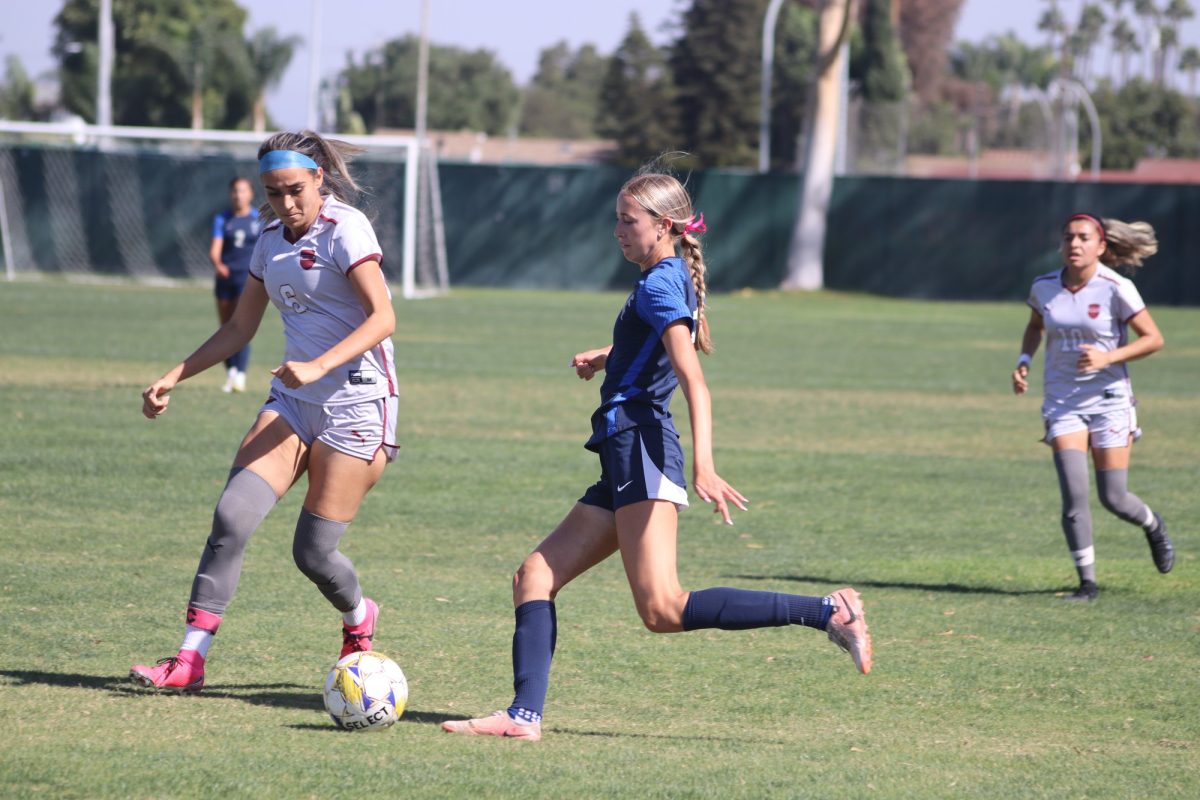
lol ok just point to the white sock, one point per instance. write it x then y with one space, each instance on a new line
358 615
196 639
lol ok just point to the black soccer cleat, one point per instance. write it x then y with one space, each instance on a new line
1161 548
1086 593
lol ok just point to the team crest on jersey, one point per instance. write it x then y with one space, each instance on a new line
1094 310
309 257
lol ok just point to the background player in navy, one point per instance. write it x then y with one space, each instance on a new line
235 232
633 508
1084 310
332 408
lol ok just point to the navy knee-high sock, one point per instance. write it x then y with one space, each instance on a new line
739 609
533 646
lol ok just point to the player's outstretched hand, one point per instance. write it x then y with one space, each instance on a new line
156 396
295 374
1091 359
1020 379
589 362
712 488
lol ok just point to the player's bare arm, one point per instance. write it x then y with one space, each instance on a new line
709 486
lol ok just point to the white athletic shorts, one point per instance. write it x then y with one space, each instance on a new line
356 429
1105 429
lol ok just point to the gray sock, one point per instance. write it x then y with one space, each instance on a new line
1117 499
1072 469
316 554
244 504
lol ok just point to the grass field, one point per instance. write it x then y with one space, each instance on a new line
880 447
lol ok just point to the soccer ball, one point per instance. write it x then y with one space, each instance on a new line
365 691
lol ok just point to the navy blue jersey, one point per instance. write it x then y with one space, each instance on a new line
240 235
639 379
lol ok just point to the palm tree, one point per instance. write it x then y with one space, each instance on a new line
1147 12
1124 43
1053 24
269 55
1168 40
1118 7
1189 62
1087 34
209 46
1176 13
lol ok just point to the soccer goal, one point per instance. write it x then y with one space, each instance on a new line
125 201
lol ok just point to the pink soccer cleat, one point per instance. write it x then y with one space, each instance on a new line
498 724
358 638
848 628
179 673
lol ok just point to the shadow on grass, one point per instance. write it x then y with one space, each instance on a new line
410 716
263 694
953 588
664 736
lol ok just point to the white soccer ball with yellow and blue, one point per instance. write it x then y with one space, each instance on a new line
365 691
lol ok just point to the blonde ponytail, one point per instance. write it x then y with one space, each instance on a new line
664 196
1129 244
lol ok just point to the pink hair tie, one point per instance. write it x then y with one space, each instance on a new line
695 224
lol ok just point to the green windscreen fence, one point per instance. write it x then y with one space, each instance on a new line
963 240
149 213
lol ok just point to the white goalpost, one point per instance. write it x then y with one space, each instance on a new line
77 198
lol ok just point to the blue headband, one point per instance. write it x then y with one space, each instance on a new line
282 159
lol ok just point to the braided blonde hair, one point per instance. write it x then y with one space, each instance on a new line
664 196
331 156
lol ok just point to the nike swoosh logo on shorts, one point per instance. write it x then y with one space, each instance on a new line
623 486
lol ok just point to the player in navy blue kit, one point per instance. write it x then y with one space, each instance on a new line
235 232
633 508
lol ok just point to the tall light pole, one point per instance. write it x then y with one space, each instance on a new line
104 72
764 99
314 65
423 75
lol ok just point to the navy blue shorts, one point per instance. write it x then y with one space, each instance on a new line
230 288
639 464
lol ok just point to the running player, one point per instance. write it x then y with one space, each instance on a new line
332 407
1084 310
235 231
633 508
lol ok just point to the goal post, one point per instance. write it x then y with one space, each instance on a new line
122 200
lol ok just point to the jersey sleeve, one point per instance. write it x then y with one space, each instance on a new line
354 243
661 301
1128 301
218 227
258 259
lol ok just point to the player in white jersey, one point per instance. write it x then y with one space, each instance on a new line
1085 310
332 408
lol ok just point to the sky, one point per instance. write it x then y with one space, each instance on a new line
516 30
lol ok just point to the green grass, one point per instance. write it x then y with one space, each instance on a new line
880 447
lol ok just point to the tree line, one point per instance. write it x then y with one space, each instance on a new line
180 63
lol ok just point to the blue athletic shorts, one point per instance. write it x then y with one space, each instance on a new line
230 288
639 464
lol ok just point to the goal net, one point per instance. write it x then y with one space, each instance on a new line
122 201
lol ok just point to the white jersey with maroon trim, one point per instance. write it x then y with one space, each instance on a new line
308 281
1098 314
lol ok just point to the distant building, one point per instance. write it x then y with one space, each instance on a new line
479 148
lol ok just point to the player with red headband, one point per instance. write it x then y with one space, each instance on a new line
633 509
1084 310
